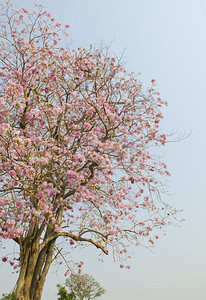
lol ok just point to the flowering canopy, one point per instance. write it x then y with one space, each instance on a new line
76 139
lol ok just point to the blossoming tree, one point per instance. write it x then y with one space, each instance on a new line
77 134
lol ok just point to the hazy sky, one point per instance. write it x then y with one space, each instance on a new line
165 40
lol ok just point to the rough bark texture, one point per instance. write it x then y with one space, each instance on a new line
35 259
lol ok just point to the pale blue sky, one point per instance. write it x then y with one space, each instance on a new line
165 40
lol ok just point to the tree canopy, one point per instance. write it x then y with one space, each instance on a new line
77 148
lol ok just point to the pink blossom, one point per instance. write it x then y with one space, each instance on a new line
25 10
71 242
149 228
12 172
4 259
20 203
57 228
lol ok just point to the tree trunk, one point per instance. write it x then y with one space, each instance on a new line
41 270
35 264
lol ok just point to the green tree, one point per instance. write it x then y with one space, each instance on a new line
10 296
63 294
81 287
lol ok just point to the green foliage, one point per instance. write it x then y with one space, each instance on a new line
81 287
63 293
10 296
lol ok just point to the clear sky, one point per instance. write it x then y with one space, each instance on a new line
165 40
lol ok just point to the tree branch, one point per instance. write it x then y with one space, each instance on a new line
78 238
